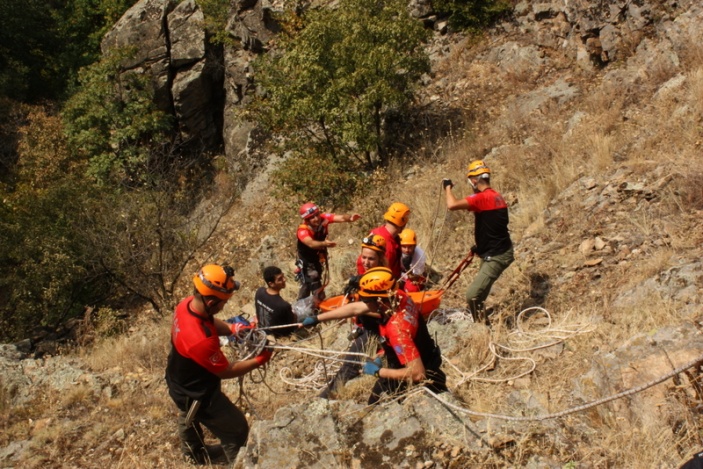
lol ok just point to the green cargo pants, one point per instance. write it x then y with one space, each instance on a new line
489 271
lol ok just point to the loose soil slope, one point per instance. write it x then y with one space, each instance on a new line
602 168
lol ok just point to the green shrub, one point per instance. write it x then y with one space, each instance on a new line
47 273
330 87
44 44
216 14
316 178
472 14
112 122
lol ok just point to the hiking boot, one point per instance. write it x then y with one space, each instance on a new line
207 455
215 454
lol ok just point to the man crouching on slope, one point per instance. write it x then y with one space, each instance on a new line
196 366
411 353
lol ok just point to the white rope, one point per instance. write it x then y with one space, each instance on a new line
324 369
320 353
572 410
315 380
449 316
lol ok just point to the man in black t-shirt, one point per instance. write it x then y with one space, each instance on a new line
271 309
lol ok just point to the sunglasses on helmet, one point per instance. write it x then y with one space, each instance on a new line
368 241
310 211
229 272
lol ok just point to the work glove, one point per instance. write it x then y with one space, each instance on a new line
373 367
237 328
311 321
352 285
447 182
238 324
264 357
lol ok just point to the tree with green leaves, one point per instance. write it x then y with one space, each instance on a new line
47 271
112 122
330 87
472 15
44 44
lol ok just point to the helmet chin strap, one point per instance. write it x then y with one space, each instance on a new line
475 186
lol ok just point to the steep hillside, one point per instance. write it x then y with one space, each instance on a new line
591 117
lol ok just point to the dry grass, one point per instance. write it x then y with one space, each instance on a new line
144 351
617 129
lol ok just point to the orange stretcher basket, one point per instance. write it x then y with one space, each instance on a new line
427 301
335 302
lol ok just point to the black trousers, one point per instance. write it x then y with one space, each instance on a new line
351 368
437 381
223 419
311 279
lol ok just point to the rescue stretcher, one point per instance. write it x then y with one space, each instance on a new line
427 301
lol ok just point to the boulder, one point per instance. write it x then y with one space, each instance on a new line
193 102
188 41
144 27
640 361
420 8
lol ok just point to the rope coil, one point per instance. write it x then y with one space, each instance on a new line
250 343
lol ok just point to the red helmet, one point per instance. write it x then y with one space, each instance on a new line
308 210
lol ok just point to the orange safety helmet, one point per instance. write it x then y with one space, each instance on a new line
216 280
374 242
478 168
408 238
398 214
308 210
377 282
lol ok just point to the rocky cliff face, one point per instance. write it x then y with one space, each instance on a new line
619 243
196 82
186 71
202 85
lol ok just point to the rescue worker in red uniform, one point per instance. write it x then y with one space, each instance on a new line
372 255
196 366
412 262
313 244
396 217
411 353
491 235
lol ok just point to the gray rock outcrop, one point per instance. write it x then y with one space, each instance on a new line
197 82
596 33
144 28
172 48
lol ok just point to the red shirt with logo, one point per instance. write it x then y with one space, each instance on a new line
401 330
196 357
491 233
